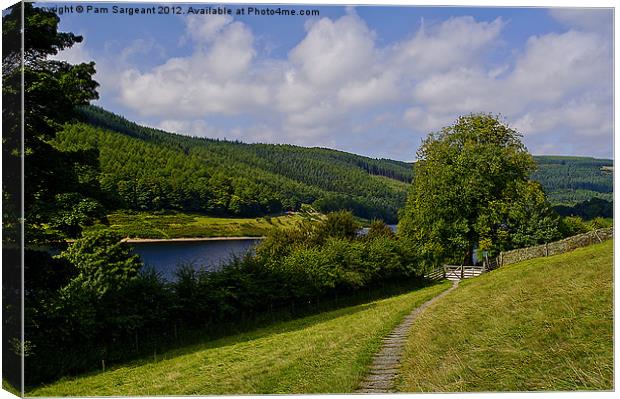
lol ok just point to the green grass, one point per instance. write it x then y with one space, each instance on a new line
10 388
184 225
329 352
543 324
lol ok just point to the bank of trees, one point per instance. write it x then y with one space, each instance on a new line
58 198
94 303
148 169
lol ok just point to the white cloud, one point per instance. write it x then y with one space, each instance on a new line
334 52
556 65
337 76
458 41
76 54
216 78
588 19
587 116
203 29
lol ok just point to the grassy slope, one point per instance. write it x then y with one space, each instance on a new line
183 225
544 324
329 352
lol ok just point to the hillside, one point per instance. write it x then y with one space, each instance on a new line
569 180
543 324
325 353
146 169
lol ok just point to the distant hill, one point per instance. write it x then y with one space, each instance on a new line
569 180
150 169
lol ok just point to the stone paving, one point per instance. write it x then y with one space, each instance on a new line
386 362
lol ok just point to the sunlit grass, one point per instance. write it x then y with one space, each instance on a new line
329 352
185 225
544 324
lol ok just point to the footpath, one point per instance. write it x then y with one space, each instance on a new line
385 364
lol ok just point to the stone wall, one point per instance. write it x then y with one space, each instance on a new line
556 247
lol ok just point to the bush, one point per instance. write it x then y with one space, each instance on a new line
100 305
572 225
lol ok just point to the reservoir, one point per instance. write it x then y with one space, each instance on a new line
166 256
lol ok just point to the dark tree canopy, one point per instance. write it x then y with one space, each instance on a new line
52 91
462 175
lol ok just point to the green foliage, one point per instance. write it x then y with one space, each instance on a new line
161 171
600 223
378 229
340 224
104 304
103 262
52 90
470 188
589 209
572 225
521 218
569 180
156 170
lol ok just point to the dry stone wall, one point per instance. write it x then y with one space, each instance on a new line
556 247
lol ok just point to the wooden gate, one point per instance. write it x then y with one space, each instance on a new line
454 272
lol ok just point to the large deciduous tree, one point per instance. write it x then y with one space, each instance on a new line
471 189
51 92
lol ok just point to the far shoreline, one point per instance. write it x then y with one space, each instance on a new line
189 239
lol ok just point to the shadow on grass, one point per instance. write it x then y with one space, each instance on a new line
261 326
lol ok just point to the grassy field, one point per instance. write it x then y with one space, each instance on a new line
544 324
183 225
329 352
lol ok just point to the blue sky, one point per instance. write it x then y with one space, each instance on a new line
370 80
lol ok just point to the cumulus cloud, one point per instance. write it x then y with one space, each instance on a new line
588 19
457 41
216 78
336 83
334 52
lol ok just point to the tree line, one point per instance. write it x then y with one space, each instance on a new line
156 170
94 304
160 171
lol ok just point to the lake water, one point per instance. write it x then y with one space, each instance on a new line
165 257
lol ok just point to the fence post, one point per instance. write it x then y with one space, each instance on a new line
444 271
597 236
546 249
462 272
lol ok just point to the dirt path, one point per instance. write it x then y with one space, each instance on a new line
386 362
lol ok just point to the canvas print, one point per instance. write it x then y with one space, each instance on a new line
222 199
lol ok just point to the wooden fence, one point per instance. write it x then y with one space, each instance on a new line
453 272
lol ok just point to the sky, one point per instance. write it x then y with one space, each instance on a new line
372 80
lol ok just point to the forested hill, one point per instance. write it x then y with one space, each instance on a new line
569 180
149 169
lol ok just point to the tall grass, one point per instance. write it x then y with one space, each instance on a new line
325 353
543 324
